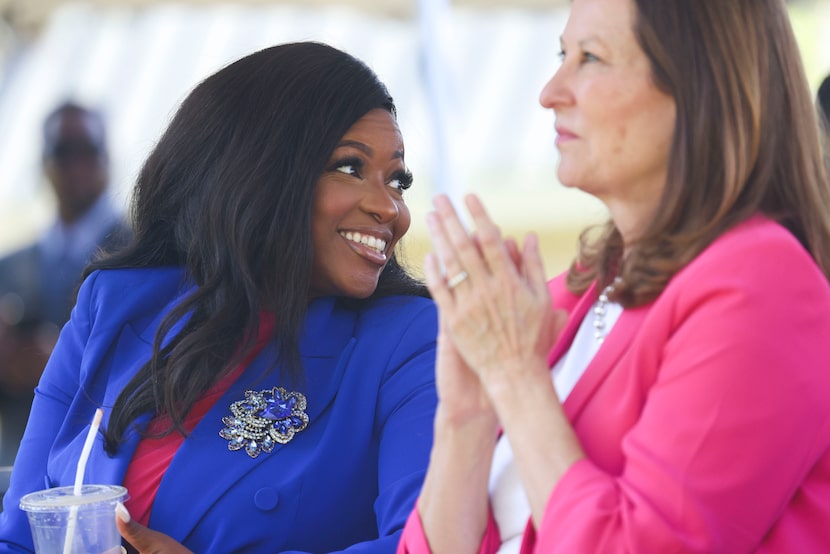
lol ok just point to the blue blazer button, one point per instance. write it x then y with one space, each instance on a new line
267 498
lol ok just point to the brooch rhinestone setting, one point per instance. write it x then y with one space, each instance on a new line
264 419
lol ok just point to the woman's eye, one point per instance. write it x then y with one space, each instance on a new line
589 57
349 166
584 56
348 169
401 181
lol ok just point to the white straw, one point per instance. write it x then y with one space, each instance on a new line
90 438
79 479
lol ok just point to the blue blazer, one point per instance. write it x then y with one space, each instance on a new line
346 482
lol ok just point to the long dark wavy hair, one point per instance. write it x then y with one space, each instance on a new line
227 193
746 141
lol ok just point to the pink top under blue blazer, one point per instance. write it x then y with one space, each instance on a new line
705 415
347 481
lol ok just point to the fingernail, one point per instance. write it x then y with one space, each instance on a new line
122 513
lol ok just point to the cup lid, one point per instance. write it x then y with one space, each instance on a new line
61 497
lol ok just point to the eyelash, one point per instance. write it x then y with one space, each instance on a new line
404 177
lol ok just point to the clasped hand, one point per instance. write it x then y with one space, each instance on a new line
499 319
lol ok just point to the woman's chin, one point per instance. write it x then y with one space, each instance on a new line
360 289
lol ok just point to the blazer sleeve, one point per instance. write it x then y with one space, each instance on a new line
53 399
732 424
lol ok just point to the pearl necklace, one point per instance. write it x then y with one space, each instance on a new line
600 310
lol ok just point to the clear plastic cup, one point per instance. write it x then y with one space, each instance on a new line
50 512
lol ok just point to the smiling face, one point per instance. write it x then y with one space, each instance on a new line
359 212
614 126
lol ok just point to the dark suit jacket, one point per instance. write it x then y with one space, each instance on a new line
43 293
349 479
47 293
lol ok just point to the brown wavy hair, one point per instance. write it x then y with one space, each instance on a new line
746 141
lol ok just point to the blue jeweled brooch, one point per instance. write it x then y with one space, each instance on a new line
264 419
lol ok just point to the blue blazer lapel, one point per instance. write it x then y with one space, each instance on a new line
112 469
134 346
204 463
129 352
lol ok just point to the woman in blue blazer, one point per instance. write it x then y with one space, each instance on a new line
264 363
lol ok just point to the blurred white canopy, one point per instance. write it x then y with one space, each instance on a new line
466 81
34 12
465 75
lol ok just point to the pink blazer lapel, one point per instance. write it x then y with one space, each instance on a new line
577 314
613 347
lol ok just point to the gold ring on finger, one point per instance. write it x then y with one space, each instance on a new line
457 279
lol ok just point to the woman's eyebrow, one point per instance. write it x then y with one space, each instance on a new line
365 148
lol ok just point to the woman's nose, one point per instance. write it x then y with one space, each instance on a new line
555 92
378 202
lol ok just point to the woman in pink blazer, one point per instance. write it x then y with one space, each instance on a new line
677 397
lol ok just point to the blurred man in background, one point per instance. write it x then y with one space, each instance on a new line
823 105
37 283
823 99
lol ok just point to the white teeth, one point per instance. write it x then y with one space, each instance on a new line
367 240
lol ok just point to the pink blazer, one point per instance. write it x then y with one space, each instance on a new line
705 416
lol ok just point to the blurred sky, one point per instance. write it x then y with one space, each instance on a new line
483 67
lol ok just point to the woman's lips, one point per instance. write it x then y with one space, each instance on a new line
564 135
369 246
